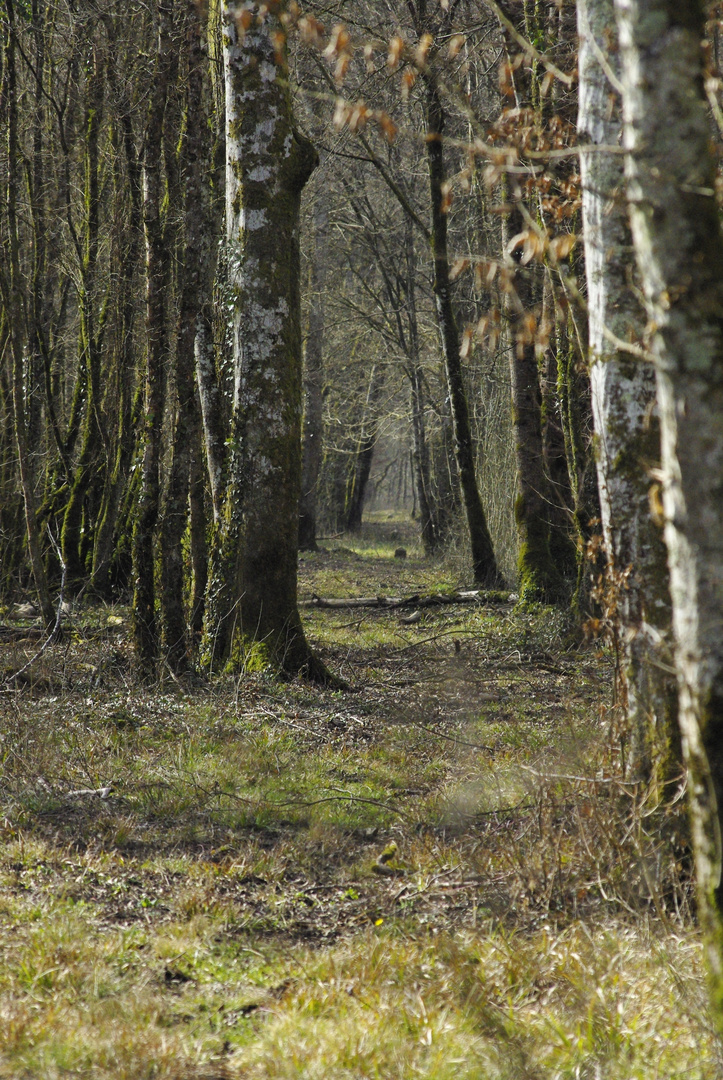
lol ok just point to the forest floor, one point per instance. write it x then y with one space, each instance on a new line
438 874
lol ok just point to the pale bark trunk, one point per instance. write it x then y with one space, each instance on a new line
626 427
671 190
252 584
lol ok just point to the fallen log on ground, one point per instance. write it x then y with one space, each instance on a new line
465 596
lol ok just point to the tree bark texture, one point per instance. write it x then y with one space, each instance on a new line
627 432
483 557
252 583
679 247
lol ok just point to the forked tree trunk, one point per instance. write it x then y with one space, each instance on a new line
626 427
252 583
671 179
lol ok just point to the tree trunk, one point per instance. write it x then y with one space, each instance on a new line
130 249
144 596
89 337
671 179
362 464
483 556
627 432
12 297
252 581
421 464
194 168
199 549
312 442
539 576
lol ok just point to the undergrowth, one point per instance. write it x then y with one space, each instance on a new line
192 879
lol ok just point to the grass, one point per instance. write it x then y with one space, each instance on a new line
221 913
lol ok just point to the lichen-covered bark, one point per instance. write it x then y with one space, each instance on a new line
483 557
626 427
252 583
679 247
312 442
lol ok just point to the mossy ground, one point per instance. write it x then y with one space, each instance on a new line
221 912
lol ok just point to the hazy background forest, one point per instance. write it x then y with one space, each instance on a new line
360 562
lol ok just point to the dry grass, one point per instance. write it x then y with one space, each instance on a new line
221 914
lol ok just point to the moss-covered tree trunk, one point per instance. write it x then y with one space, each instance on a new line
194 169
129 263
539 574
12 288
484 563
252 581
627 432
671 178
73 536
313 429
144 590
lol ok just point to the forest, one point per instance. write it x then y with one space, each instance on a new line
361 539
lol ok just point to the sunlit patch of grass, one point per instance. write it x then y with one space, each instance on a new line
223 911
577 1003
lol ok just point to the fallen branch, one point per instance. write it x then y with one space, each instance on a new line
389 603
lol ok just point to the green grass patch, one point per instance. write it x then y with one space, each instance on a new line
191 881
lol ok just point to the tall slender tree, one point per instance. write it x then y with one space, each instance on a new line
679 246
626 424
